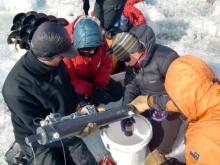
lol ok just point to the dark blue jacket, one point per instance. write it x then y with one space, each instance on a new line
149 79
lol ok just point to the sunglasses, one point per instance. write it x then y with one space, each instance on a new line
88 52
127 59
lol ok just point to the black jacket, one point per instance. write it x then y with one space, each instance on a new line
149 79
32 90
108 12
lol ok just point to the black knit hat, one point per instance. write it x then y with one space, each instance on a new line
124 44
51 40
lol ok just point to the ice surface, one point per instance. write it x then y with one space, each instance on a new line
189 27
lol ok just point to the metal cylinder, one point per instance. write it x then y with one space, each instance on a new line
68 126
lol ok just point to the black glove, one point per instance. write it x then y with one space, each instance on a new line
100 96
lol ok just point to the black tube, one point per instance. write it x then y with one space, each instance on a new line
69 127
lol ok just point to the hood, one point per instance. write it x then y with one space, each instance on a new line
146 36
87 33
192 86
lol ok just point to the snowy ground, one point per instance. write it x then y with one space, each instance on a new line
185 25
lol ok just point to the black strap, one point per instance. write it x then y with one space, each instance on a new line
86 6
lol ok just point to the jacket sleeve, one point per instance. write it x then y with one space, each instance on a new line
133 14
29 107
164 65
81 86
103 74
24 109
163 101
131 92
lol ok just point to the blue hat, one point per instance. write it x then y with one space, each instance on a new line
86 34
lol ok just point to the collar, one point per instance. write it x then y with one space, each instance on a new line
35 66
138 65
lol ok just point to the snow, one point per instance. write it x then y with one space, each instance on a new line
189 27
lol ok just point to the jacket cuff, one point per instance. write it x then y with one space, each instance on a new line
160 101
170 106
150 101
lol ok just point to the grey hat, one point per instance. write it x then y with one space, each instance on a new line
124 44
51 40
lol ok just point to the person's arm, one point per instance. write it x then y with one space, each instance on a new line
103 74
131 92
86 6
81 86
98 11
165 63
25 108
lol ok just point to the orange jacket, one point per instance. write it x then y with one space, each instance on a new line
192 86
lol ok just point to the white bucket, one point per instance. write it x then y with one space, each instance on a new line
128 150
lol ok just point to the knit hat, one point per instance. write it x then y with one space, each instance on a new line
51 40
124 44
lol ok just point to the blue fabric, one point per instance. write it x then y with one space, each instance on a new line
123 23
87 34
123 20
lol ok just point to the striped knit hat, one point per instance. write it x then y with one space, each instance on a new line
124 44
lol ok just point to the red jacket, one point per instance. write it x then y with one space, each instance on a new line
86 72
69 29
134 15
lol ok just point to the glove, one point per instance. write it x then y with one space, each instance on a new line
154 158
91 127
81 105
142 103
88 130
84 109
100 95
101 108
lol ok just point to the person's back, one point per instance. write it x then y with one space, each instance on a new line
118 15
91 68
147 64
149 72
38 85
26 83
194 89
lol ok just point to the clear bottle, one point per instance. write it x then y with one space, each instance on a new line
128 126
